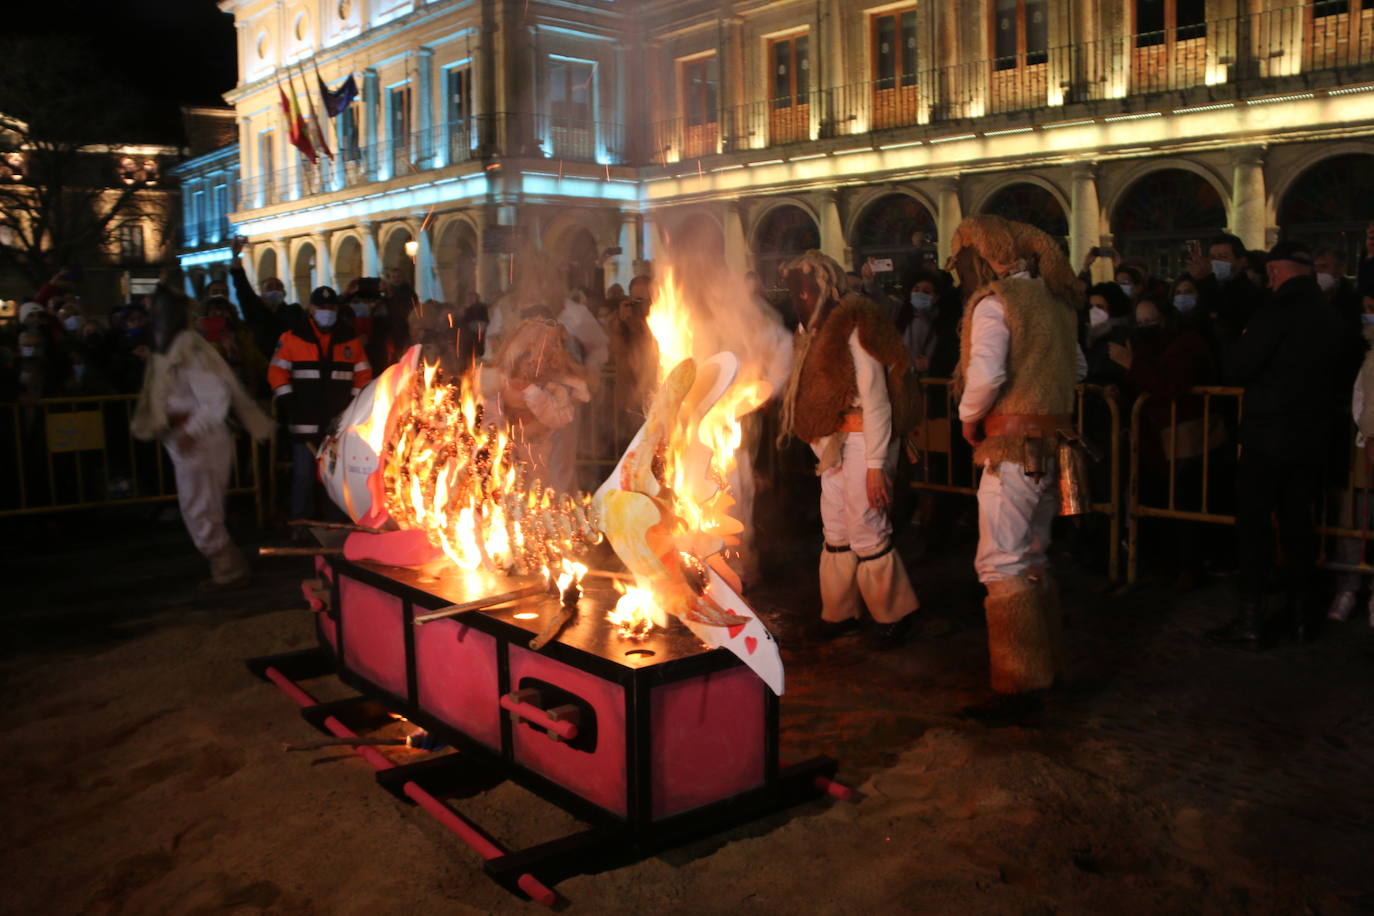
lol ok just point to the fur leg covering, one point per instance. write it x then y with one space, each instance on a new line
839 585
1054 619
1020 657
885 587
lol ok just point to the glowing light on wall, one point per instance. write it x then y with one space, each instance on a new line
200 258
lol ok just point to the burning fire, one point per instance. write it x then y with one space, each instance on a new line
691 458
443 471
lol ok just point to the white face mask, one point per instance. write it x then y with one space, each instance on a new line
274 297
73 322
79 370
1127 288
359 308
27 350
1367 319
1097 316
1221 270
1327 282
1184 302
922 301
325 318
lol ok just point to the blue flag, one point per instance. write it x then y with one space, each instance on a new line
336 100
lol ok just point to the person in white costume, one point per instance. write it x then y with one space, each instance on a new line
188 395
1017 372
847 375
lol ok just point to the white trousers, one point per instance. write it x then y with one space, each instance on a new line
868 568
1014 517
202 475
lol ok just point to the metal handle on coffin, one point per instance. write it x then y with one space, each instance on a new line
560 723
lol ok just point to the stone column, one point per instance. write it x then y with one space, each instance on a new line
370 128
424 100
283 252
620 269
648 243
426 283
832 229
950 212
188 283
371 266
1085 214
324 274
1248 206
736 246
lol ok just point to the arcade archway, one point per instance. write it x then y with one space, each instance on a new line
899 228
784 233
1157 217
1330 204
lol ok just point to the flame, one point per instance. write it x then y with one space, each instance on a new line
698 458
456 478
634 611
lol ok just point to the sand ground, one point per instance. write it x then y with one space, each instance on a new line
144 770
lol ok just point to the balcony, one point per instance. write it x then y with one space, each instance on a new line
1266 51
444 145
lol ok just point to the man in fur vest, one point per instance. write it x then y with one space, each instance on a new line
845 398
1018 366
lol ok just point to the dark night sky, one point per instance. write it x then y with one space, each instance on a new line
169 52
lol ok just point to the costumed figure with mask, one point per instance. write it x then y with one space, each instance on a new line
188 395
1018 367
535 388
315 371
847 398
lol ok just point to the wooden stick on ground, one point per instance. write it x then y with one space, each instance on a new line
360 741
299 551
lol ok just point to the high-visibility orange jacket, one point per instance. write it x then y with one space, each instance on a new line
315 375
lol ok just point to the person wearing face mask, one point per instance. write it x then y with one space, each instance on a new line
1226 295
187 397
267 316
1128 279
916 320
1288 360
1110 314
1165 359
316 370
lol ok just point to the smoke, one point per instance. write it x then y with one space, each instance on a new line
729 313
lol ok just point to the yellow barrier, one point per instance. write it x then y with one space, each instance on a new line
1199 436
940 435
78 453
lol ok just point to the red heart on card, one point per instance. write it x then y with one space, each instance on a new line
750 644
734 631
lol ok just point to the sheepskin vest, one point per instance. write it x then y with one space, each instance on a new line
1042 361
827 387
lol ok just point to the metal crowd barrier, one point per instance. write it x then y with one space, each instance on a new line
1350 498
946 463
78 453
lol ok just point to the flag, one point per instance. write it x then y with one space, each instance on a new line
296 130
320 143
336 100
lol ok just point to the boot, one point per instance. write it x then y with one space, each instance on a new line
1020 653
1301 617
1244 631
228 569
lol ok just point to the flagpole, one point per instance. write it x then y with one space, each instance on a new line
315 117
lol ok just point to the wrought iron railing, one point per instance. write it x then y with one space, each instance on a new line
1291 44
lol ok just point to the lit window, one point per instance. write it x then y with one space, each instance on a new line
131 242
1021 33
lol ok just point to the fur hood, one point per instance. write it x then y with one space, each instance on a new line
190 349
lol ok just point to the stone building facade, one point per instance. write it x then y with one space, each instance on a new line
761 127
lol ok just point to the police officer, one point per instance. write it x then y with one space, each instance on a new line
316 369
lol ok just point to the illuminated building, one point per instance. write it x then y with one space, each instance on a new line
762 127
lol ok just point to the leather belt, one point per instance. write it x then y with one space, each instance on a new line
1032 425
851 421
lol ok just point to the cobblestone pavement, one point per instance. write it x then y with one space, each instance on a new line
1169 775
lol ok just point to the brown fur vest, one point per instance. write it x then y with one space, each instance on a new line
1042 360
827 386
